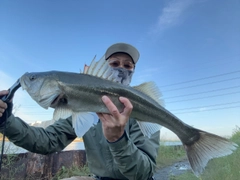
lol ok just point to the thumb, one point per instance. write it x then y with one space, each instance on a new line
128 106
4 92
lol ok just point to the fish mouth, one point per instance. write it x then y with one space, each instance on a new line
61 98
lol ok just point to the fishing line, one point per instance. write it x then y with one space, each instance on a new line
3 142
7 98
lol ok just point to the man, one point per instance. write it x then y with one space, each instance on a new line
115 147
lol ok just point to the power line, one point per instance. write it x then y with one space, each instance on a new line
201 92
203 97
203 84
220 63
208 110
201 79
206 106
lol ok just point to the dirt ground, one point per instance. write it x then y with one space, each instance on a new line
177 168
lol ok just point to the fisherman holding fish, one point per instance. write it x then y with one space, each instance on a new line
115 145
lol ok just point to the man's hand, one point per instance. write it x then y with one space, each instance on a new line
113 124
3 105
5 108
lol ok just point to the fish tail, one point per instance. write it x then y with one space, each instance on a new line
207 147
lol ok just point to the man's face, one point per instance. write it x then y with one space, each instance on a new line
121 60
122 67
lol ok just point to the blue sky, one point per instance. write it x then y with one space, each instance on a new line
191 49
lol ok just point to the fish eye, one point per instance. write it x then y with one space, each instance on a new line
32 77
64 100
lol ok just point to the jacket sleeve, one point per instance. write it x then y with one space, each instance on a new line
39 140
136 154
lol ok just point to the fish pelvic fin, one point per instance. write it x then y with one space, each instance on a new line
61 113
83 121
207 147
151 89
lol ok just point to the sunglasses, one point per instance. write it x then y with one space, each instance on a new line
117 63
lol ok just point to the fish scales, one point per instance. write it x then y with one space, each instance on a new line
145 108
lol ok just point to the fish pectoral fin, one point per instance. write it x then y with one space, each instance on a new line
151 90
207 147
148 129
61 113
83 121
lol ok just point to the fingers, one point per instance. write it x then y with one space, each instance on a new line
4 92
106 119
101 117
3 105
111 107
128 106
113 124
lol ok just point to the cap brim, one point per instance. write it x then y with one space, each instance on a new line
123 48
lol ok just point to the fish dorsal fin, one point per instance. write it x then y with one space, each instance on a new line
90 68
150 89
99 69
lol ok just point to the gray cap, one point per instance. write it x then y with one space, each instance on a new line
124 48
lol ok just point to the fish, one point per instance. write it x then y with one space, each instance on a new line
71 94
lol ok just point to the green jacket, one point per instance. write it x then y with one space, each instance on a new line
132 157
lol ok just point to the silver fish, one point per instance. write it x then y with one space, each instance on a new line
73 93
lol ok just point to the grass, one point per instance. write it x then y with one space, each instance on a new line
168 155
12 170
73 171
224 168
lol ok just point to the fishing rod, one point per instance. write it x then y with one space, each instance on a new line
7 98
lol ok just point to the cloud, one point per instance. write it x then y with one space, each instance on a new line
202 109
170 16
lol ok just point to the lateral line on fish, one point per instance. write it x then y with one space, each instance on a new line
199 150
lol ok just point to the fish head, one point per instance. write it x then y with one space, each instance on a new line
43 87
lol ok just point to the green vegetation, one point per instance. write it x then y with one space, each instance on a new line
12 171
225 168
168 155
73 171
